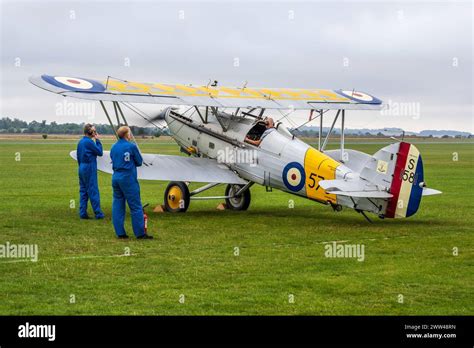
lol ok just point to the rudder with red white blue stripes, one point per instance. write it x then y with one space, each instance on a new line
407 183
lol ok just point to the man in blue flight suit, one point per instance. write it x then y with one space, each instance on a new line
125 159
88 148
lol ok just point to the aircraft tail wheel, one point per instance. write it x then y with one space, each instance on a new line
177 197
241 202
336 207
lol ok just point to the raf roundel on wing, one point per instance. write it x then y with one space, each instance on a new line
360 97
74 83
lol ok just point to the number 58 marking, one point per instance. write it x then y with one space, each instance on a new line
408 176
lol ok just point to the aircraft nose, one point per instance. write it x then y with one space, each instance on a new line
163 114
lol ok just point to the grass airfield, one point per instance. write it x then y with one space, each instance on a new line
192 266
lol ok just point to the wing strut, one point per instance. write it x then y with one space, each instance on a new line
118 111
343 157
320 129
326 139
204 120
342 113
108 117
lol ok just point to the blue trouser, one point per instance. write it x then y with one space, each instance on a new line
89 189
126 188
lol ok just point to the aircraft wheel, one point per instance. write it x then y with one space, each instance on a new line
177 197
241 202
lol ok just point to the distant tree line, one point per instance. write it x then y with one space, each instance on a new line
8 125
305 133
314 134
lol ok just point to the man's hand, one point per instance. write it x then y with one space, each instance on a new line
253 142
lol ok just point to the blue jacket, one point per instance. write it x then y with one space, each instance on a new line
125 158
88 150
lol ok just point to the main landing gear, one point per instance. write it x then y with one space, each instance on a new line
236 201
177 196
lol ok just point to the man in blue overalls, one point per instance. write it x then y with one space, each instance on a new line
88 148
125 159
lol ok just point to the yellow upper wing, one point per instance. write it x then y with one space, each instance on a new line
230 97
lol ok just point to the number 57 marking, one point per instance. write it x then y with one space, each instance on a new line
312 178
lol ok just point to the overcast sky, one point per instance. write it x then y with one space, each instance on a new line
416 56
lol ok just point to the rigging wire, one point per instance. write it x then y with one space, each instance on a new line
310 120
141 114
285 116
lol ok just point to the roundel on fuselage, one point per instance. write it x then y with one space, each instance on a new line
294 176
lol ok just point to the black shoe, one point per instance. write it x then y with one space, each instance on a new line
85 217
145 236
123 236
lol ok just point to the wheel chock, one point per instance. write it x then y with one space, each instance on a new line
160 208
221 206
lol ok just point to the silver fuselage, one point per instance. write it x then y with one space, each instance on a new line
277 158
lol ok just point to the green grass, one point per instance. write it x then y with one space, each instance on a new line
281 249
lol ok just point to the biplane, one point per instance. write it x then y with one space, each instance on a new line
214 131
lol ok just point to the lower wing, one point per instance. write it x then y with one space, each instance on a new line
176 168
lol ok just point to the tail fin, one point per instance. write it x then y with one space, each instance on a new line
407 183
397 169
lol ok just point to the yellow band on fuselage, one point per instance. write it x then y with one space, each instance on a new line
317 167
